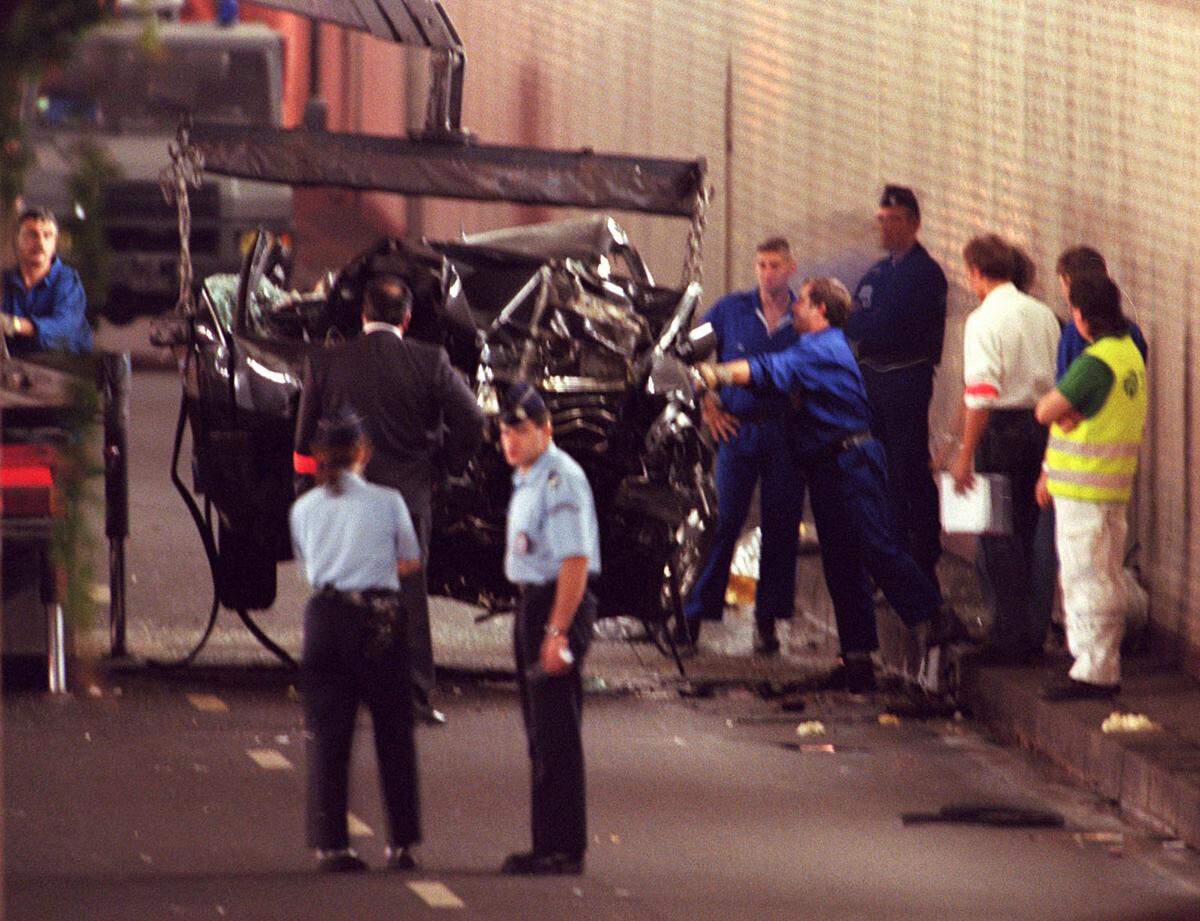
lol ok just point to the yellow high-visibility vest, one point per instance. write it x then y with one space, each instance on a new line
1096 460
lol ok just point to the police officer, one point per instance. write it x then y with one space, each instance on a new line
898 327
846 471
552 546
355 539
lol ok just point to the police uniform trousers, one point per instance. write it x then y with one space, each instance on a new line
345 662
1014 444
759 453
899 402
858 538
552 708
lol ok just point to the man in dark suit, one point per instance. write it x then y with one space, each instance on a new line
422 421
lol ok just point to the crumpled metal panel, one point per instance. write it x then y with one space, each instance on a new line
577 238
407 22
523 175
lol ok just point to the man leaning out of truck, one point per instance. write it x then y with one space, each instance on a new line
43 306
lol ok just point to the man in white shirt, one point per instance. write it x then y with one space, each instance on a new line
1009 348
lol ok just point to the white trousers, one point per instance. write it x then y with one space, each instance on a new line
1099 594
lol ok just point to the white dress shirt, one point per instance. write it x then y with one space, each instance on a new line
1009 348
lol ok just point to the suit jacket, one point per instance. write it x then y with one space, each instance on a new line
422 418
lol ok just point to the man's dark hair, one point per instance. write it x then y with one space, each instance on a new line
1024 271
992 256
900 196
1098 300
1080 260
386 299
36 214
775 245
832 295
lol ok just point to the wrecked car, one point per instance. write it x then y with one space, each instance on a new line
568 306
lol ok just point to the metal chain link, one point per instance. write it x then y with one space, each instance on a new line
186 169
693 259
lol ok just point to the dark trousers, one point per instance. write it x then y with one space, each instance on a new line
337 674
553 712
1014 444
900 420
415 592
858 538
757 455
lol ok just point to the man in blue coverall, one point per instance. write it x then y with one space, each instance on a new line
752 431
43 305
898 327
845 467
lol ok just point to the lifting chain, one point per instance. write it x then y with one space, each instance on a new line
186 169
693 259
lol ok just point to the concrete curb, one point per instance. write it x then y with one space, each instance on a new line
1154 776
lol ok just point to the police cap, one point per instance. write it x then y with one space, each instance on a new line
340 429
523 402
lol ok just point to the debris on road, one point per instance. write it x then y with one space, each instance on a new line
810 728
1128 722
993 815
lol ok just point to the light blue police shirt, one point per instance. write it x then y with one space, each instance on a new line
353 540
551 518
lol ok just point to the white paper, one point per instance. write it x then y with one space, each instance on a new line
985 508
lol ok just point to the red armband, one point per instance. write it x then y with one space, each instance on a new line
304 464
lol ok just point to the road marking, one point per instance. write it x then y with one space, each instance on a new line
436 895
358 828
269 760
209 703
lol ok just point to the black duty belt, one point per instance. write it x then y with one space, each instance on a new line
838 446
360 597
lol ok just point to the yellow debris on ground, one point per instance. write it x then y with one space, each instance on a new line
811 728
1129 722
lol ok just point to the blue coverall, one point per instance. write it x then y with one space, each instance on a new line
847 477
57 307
758 453
898 326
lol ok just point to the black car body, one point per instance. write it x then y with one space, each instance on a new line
570 307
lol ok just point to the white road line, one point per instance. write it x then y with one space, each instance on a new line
269 760
436 895
358 828
209 703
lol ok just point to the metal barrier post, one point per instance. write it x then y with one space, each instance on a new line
115 375
56 648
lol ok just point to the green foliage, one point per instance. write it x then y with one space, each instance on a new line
72 542
89 249
35 35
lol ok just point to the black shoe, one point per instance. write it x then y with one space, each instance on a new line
400 858
856 674
945 628
340 861
1070 689
766 645
429 715
531 863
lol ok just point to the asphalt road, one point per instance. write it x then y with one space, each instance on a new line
169 800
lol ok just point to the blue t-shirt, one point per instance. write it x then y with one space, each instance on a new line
57 307
741 330
551 518
900 311
353 540
1071 345
821 376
